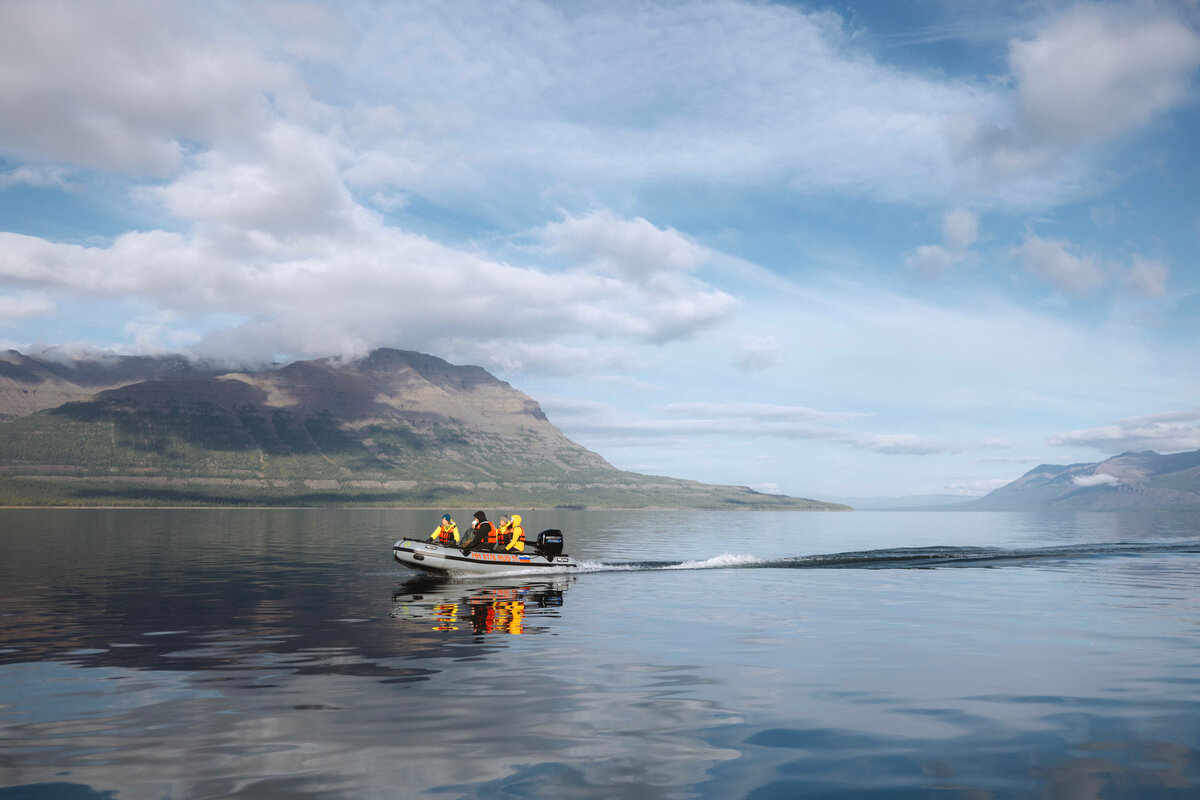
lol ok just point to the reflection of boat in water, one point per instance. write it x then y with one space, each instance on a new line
492 609
544 555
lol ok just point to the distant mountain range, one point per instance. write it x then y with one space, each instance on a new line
1130 481
393 428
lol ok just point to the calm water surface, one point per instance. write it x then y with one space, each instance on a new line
272 654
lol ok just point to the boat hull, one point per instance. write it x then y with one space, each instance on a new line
430 557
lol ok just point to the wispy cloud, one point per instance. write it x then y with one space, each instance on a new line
600 421
1168 432
1096 479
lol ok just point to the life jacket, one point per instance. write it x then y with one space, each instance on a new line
486 532
504 533
445 535
517 534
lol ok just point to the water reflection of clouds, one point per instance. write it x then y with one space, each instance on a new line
216 733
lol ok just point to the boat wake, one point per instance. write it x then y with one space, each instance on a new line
906 557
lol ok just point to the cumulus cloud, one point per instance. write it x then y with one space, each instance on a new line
353 285
25 306
127 86
1050 261
1090 76
284 182
1101 71
960 229
633 249
1168 432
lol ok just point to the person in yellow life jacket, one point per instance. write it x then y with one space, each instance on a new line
516 538
447 533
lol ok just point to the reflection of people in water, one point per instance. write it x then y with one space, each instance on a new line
499 610
496 609
446 615
446 533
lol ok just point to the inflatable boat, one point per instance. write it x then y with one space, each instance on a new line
543 555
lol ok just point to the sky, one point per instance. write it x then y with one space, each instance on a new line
830 250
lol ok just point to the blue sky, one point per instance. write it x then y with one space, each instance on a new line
830 250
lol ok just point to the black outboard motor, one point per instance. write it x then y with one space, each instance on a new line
550 542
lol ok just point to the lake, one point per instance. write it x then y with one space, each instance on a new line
282 653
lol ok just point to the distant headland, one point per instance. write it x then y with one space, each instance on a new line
395 428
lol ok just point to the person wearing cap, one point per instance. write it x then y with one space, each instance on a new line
483 534
446 533
515 538
504 531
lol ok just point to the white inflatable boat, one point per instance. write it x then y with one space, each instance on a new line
544 555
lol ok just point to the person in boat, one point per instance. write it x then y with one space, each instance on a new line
483 534
504 531
514 537
446 533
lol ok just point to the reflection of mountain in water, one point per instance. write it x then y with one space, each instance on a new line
510 608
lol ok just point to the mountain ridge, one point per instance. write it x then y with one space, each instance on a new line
1143 480
395 427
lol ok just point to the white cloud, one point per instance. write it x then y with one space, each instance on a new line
1147 277
30 175
977 487
128 86
1096 479
629 94
285 182
899 444
1101 71
1050 261
1168 432
633 249
755 353
602 422
1091 76
760 411
25 306
344 282
960 229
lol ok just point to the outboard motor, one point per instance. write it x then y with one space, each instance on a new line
550 542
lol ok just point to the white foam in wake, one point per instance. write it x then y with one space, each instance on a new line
720 562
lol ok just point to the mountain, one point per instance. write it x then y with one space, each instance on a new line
1130 481
393 428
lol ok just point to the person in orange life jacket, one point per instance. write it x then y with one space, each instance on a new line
483 534
504 531
445 533
516 535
